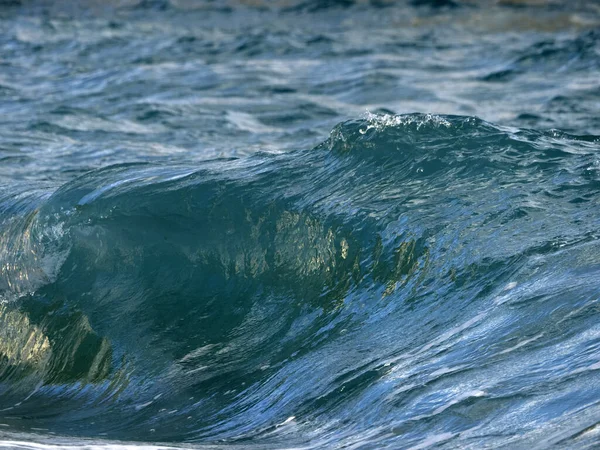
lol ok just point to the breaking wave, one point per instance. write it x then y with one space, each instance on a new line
411 276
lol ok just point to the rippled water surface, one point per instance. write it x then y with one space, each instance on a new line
308 224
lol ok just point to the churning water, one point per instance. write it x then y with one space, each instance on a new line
206 240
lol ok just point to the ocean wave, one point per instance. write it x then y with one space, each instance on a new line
410 272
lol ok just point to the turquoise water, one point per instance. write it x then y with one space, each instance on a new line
299 224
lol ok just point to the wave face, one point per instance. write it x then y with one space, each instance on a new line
413 280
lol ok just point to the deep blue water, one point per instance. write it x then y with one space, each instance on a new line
299 224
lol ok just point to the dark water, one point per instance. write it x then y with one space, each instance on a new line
207 240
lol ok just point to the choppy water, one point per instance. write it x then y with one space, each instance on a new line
207 240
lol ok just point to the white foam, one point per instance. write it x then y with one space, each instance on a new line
379 122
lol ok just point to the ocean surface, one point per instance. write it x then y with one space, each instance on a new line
299 224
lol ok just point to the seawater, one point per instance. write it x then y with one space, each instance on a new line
299 224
